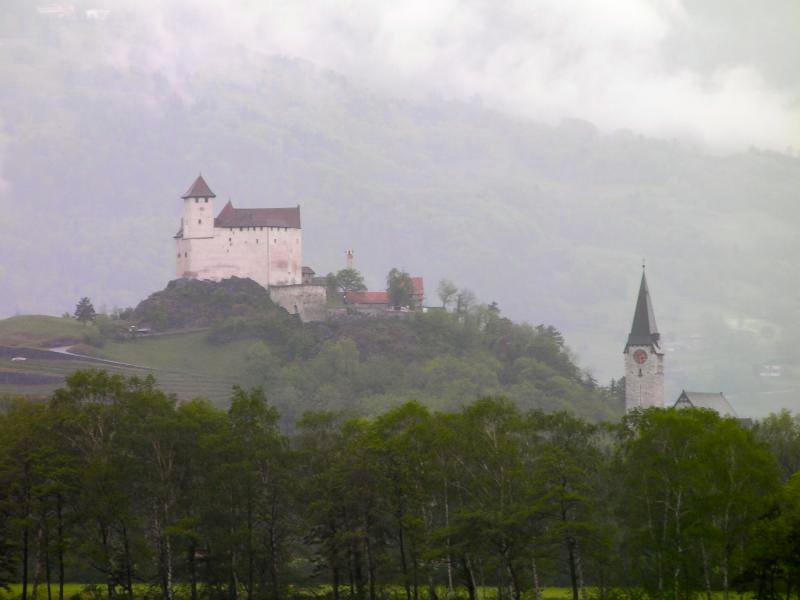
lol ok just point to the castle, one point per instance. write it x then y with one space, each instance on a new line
264 244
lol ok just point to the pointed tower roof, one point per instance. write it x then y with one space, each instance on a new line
643 330
199 189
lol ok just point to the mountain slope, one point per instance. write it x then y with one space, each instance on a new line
550 222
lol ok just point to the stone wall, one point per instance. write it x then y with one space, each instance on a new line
307 301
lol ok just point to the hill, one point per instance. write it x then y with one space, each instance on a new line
188 303
42 331
356 365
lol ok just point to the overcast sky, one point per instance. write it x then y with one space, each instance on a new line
719 72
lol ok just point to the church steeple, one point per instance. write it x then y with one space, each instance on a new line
644 359
643 330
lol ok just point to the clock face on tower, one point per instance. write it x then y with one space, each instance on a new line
640 356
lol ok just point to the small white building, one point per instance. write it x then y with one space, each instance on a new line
716 402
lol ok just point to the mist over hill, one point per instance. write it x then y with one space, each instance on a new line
549 221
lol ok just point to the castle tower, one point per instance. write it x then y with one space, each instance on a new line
198 211
644 360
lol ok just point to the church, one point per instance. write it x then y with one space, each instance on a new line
644 358
644 366
263 244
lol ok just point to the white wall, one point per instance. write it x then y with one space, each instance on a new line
268 255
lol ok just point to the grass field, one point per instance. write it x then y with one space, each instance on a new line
86 592
81 591
188 352
184 364
40 331
185 385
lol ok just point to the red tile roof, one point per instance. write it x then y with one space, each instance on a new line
382 298
367 298
258 217
199 189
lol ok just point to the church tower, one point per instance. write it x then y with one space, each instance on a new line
198 211
644 360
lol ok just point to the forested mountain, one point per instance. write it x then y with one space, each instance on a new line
98 142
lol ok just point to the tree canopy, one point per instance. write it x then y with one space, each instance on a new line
400 288
113 483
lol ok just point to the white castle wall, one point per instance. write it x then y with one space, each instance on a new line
268 255
647 389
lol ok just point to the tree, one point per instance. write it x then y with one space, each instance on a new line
84 310
447 291
400 288
464 300
781 432
350 280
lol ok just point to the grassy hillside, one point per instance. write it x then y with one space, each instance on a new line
41 331
356 365
25 378
183 352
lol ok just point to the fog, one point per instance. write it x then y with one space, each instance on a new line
721 73
534 152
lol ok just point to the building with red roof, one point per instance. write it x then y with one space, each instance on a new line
376 302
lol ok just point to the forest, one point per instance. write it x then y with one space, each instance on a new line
112 483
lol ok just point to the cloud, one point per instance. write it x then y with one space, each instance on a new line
610 62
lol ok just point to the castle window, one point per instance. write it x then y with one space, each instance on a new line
206 200
185 254
241 228
199 221
256 240
275 241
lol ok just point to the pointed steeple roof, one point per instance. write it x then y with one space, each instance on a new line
643 330
199 189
